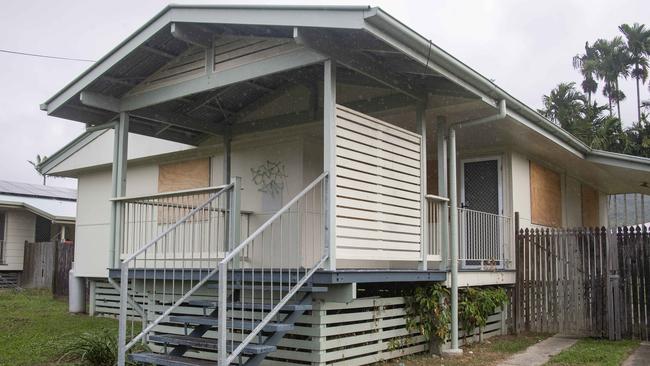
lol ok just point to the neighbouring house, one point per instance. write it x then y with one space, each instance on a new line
244 166
32 213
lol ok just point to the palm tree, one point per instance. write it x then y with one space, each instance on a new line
638 45
612 62
586 63
38 162
563 105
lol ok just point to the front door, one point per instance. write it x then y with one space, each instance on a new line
481 205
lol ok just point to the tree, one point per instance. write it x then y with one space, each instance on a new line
612 63
586 63
38 162
564 105
638 46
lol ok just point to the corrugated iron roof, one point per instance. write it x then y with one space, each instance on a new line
8 188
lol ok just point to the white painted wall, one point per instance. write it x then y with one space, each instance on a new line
572 202
93 214
521 188
248 152
21 227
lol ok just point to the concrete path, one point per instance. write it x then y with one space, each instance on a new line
538 354
640 357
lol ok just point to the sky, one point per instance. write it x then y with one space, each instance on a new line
526 47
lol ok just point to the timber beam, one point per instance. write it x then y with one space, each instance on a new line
191 35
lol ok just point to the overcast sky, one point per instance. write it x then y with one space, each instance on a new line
525 46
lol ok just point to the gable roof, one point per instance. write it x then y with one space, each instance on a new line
415 51
54 203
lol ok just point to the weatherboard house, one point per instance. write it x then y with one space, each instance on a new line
257 184
31 213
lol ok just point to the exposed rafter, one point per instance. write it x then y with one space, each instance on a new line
157 51
358 62
191 34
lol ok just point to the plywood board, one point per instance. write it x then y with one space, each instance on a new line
590 206
182 175
545 196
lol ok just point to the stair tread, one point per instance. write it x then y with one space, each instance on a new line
168 360
304 288
208 343
250 306
246 324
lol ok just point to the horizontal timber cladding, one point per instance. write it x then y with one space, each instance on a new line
229 52
377 189
360 332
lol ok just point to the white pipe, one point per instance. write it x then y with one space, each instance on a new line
453 200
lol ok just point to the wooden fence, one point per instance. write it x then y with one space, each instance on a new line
589 282
46 265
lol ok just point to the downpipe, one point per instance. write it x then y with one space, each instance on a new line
453 218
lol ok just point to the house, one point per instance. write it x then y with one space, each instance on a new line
31 213
259 183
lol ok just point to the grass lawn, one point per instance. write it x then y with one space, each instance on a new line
35 328
594 352
488 353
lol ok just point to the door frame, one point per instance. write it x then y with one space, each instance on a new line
499 159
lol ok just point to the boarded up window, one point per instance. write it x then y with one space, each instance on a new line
545 196
184 175
590 210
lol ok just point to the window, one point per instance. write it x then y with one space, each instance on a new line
3 220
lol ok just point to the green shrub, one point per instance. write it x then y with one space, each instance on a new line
96 349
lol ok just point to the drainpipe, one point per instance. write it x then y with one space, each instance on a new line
453 218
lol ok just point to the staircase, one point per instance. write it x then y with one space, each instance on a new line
262 284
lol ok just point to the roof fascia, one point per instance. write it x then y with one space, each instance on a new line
337 17
619 160
68 150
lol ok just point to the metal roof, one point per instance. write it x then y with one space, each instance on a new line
8 188
49 208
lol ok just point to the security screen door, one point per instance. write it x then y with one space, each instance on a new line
479 217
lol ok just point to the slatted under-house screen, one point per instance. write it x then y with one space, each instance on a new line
378 189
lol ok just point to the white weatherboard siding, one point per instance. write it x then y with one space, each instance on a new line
21 227
93 214
378 190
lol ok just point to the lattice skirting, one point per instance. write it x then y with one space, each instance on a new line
361 332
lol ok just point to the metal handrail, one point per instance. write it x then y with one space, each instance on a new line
172 193
483 212
177 223
167 237
433 197
231 258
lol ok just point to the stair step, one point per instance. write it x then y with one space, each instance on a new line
168 360
248 306
305 288
208 343
237 324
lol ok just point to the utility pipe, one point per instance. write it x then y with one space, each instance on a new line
453 218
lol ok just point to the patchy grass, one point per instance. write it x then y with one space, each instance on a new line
594 352
488 353
35 328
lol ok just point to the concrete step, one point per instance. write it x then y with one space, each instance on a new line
208 343
237 324
247 306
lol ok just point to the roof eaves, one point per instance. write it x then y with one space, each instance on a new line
65 152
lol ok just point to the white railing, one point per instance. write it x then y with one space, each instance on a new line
268 268
145 217
184 235
437 222
485 239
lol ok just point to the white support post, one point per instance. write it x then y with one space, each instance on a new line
329 159
453 200
120 153
441 137
424 229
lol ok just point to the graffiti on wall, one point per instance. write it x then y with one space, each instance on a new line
270 177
